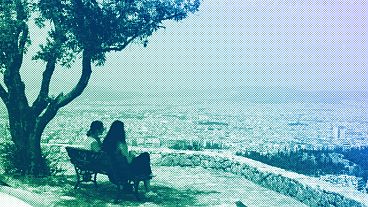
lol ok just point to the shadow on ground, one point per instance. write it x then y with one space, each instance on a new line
105 194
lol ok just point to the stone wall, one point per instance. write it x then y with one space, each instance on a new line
309 190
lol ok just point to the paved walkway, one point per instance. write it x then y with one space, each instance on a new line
23 198
218 188
172 186
11 201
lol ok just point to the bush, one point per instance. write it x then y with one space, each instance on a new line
308 162
54 159
183 145
10 159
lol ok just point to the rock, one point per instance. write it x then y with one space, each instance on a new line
176 160
167 160
287 183
183 162
240 204
218 166
211 163
156 158
226 164
196 160
235 169
205 163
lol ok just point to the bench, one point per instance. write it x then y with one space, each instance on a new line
88 164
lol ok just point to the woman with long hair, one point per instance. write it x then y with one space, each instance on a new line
115 138
115 145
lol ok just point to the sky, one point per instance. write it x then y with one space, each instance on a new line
300 44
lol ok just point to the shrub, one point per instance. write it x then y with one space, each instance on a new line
308 162
54 159
10 159
183 145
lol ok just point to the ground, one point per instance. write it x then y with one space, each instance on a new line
172 186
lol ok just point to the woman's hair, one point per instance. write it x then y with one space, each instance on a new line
96 126
115 135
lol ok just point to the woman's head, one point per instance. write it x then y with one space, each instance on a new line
115 135
96 128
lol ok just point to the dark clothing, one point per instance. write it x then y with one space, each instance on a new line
120 168
141 165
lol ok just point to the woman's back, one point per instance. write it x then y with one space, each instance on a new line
114 142
115 145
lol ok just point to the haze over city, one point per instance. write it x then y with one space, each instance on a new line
306 45
245 102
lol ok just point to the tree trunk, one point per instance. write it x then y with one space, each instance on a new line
28 122
32 161
28 159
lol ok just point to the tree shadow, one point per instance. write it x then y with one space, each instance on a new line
106 192
62 187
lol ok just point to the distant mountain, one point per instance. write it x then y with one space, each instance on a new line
251 94
106 94
280 95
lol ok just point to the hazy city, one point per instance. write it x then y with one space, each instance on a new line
234 120
246 103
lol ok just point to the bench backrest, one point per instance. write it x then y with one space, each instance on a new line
100 162
88 160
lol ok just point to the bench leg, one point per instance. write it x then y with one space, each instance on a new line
78 178
76 185
94 180
118 194
136 186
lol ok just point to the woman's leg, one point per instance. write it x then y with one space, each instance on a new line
147 185
141 165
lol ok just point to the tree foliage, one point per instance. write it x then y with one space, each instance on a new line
77 28
105 25
308 162
14 37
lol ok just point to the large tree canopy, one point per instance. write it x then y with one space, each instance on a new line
79 28
103 26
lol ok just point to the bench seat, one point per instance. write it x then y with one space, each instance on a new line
88 164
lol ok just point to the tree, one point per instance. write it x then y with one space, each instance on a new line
88 29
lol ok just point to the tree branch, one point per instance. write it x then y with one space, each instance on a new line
3 94
50 113
121 47
42 99
17 45
82 83
23 38
61 100
174 16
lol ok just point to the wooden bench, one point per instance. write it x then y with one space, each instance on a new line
88 164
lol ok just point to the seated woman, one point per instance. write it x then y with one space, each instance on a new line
93 140
115 144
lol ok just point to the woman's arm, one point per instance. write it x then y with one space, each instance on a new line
124 151
95 146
